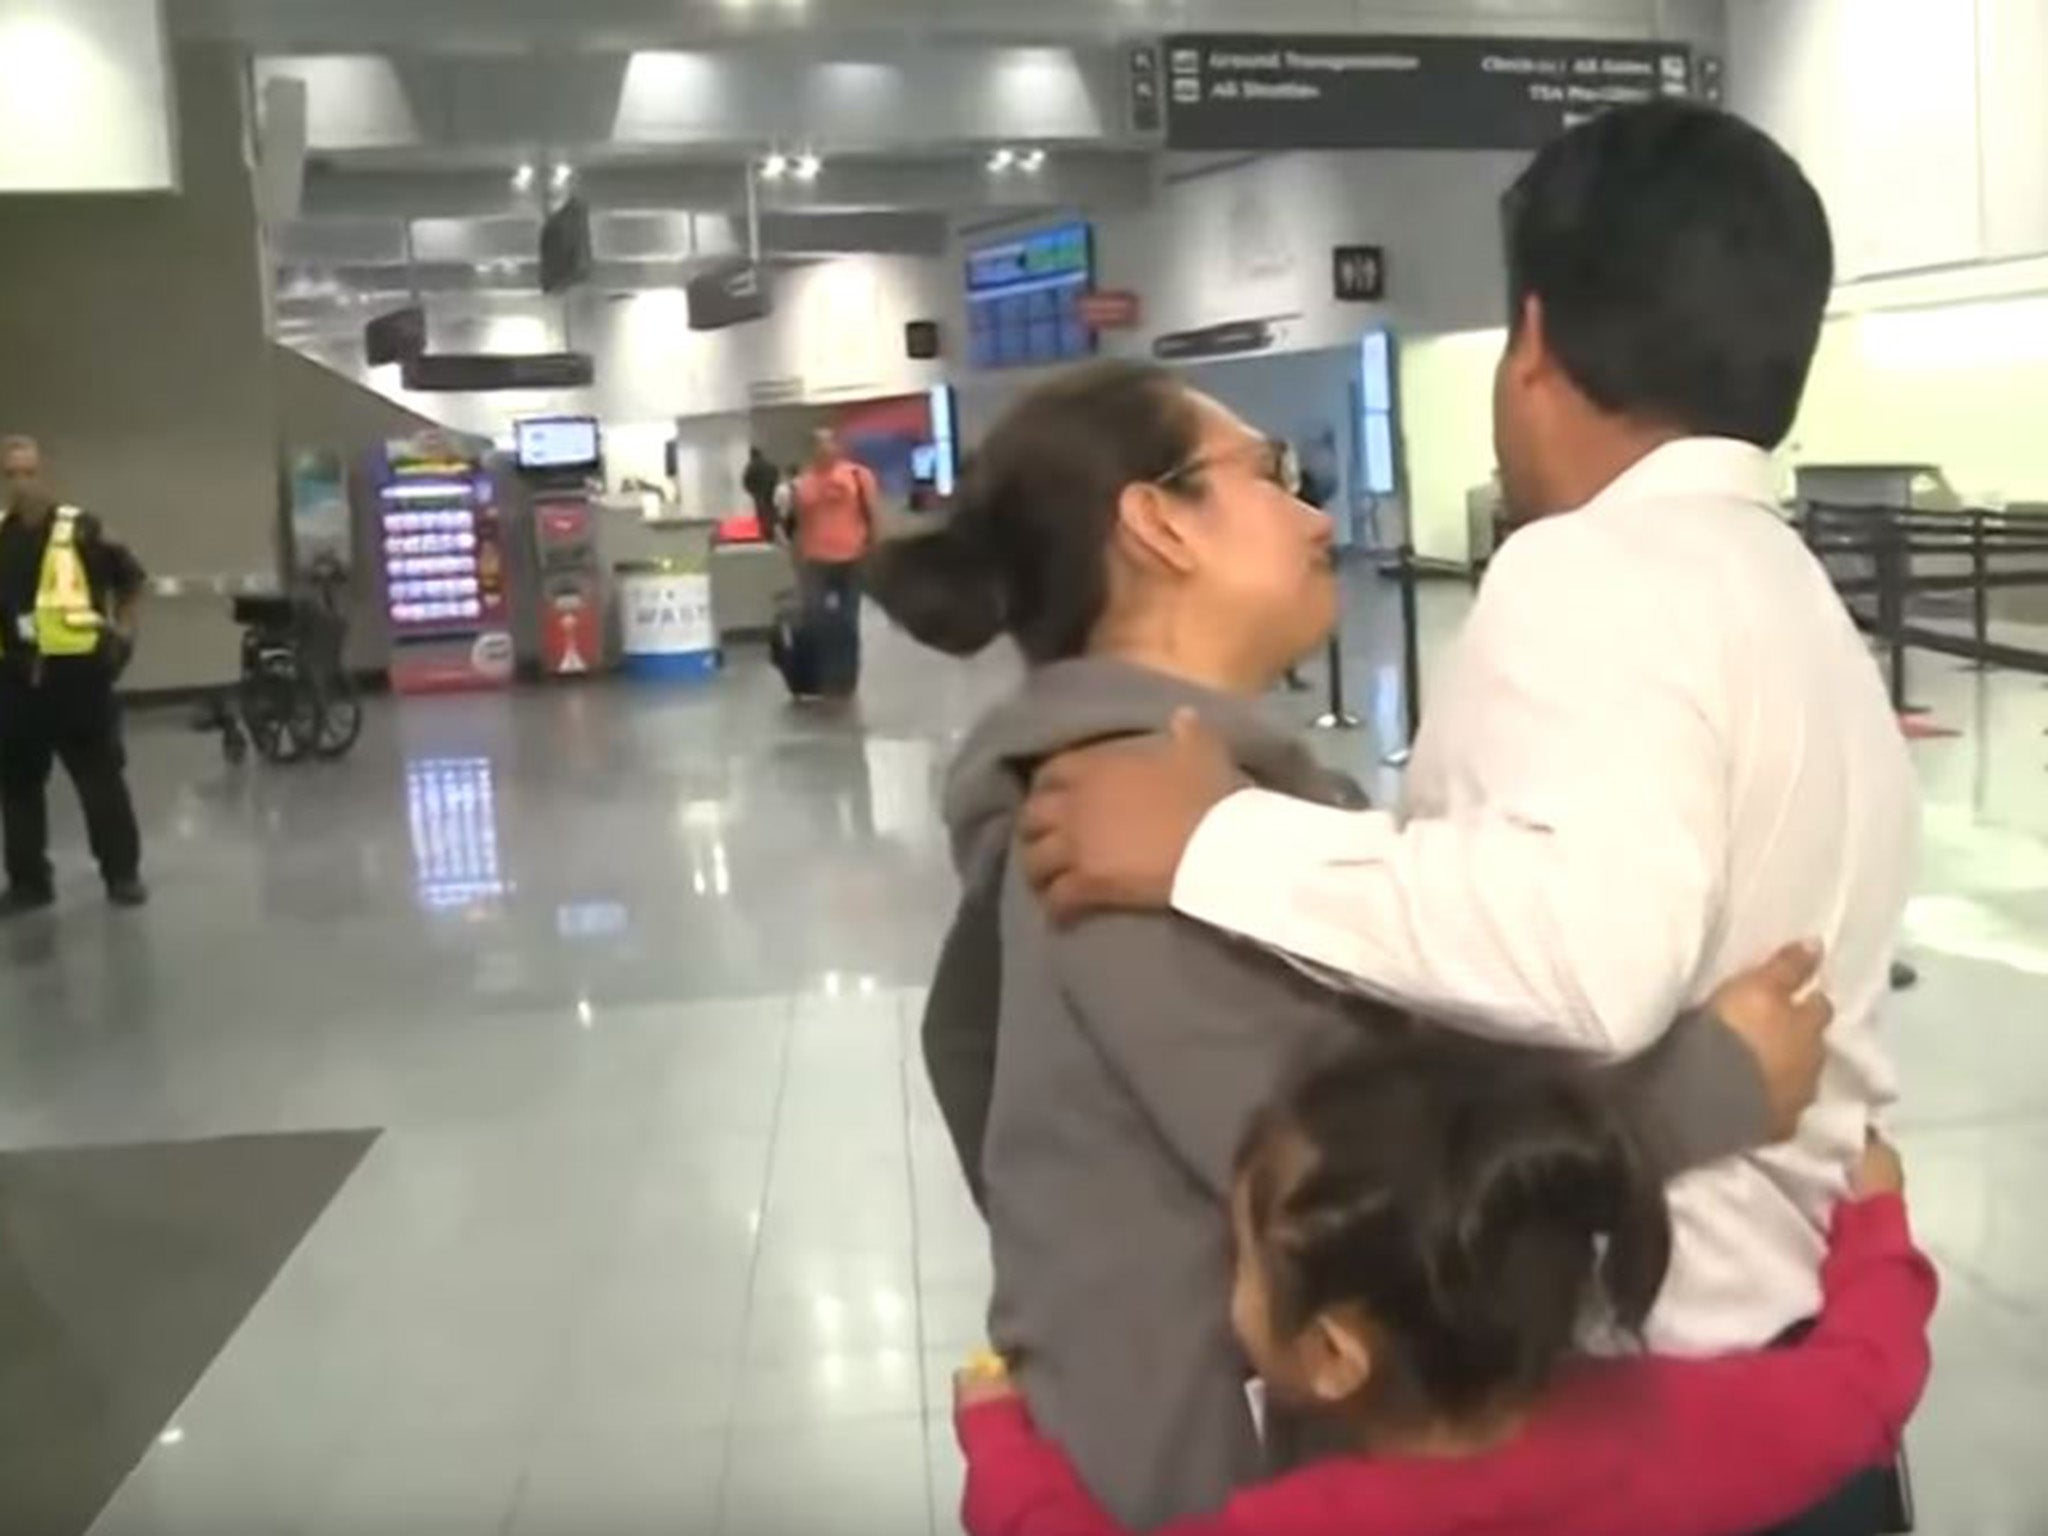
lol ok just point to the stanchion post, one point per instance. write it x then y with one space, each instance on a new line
1980 589
1891 607
1411 656
1411 644
1336 717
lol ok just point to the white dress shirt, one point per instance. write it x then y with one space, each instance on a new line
1658 751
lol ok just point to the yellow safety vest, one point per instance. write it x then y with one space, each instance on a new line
66 623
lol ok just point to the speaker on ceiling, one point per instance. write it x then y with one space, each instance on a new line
921 339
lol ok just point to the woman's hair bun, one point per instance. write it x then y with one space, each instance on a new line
945 588
1027 550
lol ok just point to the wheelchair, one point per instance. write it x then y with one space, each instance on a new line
294 698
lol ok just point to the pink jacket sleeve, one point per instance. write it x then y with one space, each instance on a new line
1746 1441
1021 1484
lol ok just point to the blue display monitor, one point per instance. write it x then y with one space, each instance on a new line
1024 298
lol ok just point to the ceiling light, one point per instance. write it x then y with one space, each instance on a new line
564 174
522 179
1032 160
1001 160
773 167
807 167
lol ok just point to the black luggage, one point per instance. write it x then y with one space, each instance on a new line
817 648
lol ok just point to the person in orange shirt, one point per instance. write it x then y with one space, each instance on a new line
835 529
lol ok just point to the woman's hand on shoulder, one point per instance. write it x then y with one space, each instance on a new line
1105 827
1779 1011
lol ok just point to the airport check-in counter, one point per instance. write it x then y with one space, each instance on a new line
746 579
1906 487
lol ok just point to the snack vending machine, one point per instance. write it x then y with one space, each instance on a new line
442 551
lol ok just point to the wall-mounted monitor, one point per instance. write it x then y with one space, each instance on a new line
1024 298
557 443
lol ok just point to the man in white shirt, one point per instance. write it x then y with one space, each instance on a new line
1660 747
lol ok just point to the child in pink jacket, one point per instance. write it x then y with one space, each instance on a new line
1422 1235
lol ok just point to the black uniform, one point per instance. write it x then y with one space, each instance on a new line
759 481
62 709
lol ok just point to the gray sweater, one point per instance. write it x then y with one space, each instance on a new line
1096 1081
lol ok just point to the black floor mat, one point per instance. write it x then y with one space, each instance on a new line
123 1270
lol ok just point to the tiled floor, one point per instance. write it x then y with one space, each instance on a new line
663 1233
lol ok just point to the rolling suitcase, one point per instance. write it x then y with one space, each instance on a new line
816 648
791 647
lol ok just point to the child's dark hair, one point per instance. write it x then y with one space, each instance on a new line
1025 550
1480 1209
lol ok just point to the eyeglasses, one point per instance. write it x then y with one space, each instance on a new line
1269 459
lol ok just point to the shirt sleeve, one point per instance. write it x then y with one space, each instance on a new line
1021 1484
1698 1095
1746 1441
1575 908
110 563
1200 1031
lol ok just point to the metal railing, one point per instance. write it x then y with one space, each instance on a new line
2005 550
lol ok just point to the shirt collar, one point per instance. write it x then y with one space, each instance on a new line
1722 467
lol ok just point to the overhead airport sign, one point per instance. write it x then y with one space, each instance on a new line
1246 92
1110 309
1233 338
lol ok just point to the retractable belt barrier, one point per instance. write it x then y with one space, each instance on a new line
2006 550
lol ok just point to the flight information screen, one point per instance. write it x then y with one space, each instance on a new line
1024 299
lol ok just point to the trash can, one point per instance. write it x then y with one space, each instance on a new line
665 627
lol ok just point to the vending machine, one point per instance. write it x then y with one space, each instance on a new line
559 458
442 550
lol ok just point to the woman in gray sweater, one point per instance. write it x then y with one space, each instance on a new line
1146 552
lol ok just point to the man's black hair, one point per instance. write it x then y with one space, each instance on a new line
1683 263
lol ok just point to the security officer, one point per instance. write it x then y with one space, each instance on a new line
67 603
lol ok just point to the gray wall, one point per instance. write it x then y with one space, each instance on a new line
132 342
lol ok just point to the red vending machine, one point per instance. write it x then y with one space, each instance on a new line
443 556
571 604
562 459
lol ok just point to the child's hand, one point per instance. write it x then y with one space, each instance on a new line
1880 1172
984 1379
